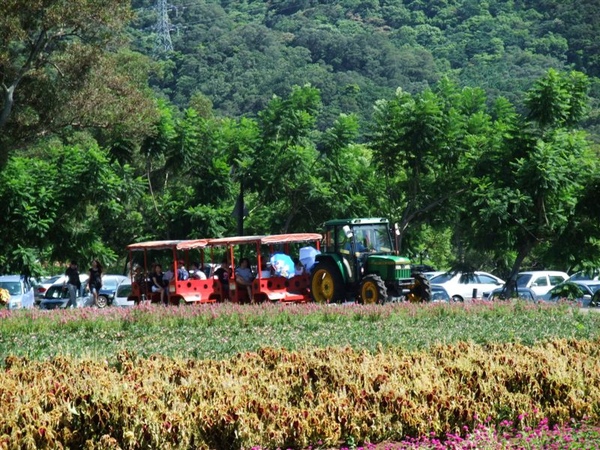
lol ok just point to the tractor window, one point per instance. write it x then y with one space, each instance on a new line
373 238
343 244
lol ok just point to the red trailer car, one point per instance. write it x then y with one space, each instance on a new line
269 283
194 289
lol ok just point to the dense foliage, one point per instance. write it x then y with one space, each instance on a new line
471 124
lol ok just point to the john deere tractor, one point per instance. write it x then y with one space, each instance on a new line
359 261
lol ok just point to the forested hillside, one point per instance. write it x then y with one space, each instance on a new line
240 53
473 125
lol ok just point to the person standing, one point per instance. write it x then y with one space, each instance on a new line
72 283
95 279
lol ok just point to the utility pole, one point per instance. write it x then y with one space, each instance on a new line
163 29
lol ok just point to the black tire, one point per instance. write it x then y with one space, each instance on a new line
326 283
372 290
102 301
421 291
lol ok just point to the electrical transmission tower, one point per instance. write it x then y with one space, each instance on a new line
163 29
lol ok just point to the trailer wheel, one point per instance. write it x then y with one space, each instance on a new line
372 290
326 283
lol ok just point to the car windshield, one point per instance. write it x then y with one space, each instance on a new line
594 287
13 287
52 280
442 278
523 279
585 275
124 290
110 284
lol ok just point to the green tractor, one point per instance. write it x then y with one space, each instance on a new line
359 261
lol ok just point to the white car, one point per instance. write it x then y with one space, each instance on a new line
122 294
430 275
465 286
540 281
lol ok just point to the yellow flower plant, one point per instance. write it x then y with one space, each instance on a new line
4 296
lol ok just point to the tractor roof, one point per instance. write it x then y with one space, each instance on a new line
363 221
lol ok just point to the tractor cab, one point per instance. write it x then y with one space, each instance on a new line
359 261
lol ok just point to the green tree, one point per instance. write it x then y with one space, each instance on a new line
421 145
56 70
68 202
531 194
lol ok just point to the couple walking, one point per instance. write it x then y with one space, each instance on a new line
73 281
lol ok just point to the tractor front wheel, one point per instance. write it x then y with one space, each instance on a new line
326 283
372 290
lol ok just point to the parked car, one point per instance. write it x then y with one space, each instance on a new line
593 274
57 297
522 293
439 295
584 292
430 275
42 286
20 290
462 286
540 281
110 284
122 295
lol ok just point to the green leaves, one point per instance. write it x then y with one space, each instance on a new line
558 99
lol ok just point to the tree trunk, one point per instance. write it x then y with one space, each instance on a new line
511 284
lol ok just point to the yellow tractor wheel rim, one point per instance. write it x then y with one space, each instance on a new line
322 286
369 293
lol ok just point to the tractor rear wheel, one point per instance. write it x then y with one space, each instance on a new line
326 283
421 291
372 290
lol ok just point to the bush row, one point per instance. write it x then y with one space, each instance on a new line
293 399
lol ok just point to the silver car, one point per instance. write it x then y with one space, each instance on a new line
56 296
20 290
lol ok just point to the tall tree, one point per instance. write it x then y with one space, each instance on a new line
56 70
421 145
530 195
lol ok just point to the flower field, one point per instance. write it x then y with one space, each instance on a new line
227 376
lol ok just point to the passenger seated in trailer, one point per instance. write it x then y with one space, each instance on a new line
182 273
244 276
298 267
196 273
157 281
141 281
222 273
167 277
265 271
